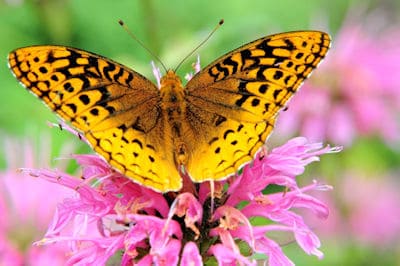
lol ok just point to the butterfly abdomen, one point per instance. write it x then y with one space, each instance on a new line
173 107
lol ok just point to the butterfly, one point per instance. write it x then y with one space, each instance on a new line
208 128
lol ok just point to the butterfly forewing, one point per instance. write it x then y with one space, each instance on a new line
245 89
116 108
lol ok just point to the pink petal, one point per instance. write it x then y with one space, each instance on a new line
226 256
187 205
276 257
191 255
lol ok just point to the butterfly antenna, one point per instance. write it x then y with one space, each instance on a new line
198 46
141 44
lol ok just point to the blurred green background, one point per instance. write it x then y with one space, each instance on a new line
171 29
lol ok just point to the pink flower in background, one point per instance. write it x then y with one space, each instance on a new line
354 92
27 205
373 209
109 213
364 212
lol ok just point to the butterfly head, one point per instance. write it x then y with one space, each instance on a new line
171 90
169 77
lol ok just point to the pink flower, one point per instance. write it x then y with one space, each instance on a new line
196 67
108 213
364 212
375 222
27 206
354 92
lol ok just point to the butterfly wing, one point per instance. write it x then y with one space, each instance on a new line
233 102
116 108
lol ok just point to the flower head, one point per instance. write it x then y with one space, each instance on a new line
108 213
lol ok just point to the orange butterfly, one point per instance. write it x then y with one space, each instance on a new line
210 127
